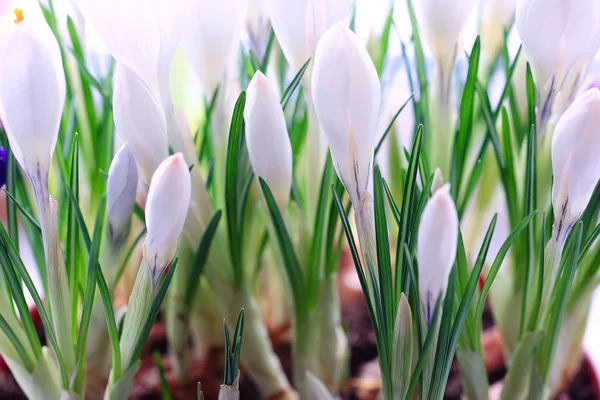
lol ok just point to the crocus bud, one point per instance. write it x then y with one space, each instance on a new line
121 188
212 38
442 22
299 24
437 241
166 209
559 40
346 95
32 89
575 149
267 138
140 119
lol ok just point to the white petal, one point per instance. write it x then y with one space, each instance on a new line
299 25
212 38
130 32
541 25
442 22
437 241
32 95
575 149
166 209
267 138
347 95
140 119
121 188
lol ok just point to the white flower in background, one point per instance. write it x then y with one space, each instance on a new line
442 22
560 37
32 88
575 149
141 34
436 247
166 210
496 17
121 188
299 24
347 95
267 138
212 38
257 27
140 119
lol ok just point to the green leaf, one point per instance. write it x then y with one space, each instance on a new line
269 49
287 93
423 104
16 343
11 212
90 288
384 263
291 264
102 287
407 206
493 272
165 391
236 137
200 261
424 350
402 350
473 373
316 248
90 291
21 272
384 41
530 202
466 116
517 381
559 297
26 214
391 124
154 309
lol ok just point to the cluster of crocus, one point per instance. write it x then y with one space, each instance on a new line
253 210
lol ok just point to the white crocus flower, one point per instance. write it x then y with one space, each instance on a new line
32 97
436 247
575 149
166 210
212 38
267 139
497 16
442 22
346 95
560 37
140 120
121 188
299 24
141 34
32 90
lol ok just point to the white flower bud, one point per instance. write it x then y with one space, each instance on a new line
121 188
212 38
442 22
559 39
140 119
436 247
299 24
32 88
267 139
141 34
497 16
575 149
166 210
347 95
